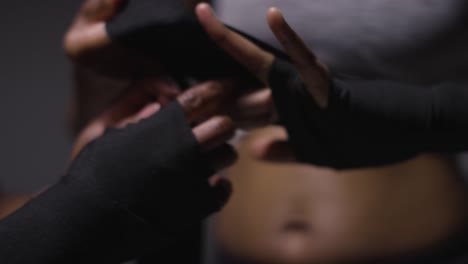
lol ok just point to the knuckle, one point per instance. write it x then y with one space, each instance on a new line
226 121
225 125
191 100
221 38
97 8
269 102
69 46
263 67
209 91
211 86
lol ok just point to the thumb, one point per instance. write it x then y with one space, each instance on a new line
99 10
272 150
88 29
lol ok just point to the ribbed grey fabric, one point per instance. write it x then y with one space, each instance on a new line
415 40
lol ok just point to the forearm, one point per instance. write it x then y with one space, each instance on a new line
369 123
125 191
69 223
425 119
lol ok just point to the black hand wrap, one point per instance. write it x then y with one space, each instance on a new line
167 31
127 190
369 123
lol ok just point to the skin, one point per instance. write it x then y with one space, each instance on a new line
103 70
200 104
279 213
134 99
11 202
291 213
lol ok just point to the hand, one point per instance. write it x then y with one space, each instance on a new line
102 68
271 148
139 103
100 78
253 109
88 29
259 62
88 44
138 154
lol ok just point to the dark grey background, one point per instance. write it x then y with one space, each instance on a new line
35 91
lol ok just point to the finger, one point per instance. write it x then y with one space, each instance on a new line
91 132
88 31
128 104
166 91
163 90
256 60
206 99
138 95
254 109
214 132
258 102
272 150
222 157
78 43
213 180
252 122
144 113
312 72
99 10
292 43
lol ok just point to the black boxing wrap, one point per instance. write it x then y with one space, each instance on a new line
168 32
369 123
129 189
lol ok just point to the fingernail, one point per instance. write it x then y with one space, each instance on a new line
273 9
206 7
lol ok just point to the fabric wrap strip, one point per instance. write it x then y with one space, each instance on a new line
168 32
111 210
369 123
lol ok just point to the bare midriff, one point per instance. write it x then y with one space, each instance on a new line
303 214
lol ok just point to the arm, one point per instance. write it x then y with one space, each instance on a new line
369 123
436 116
142 183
